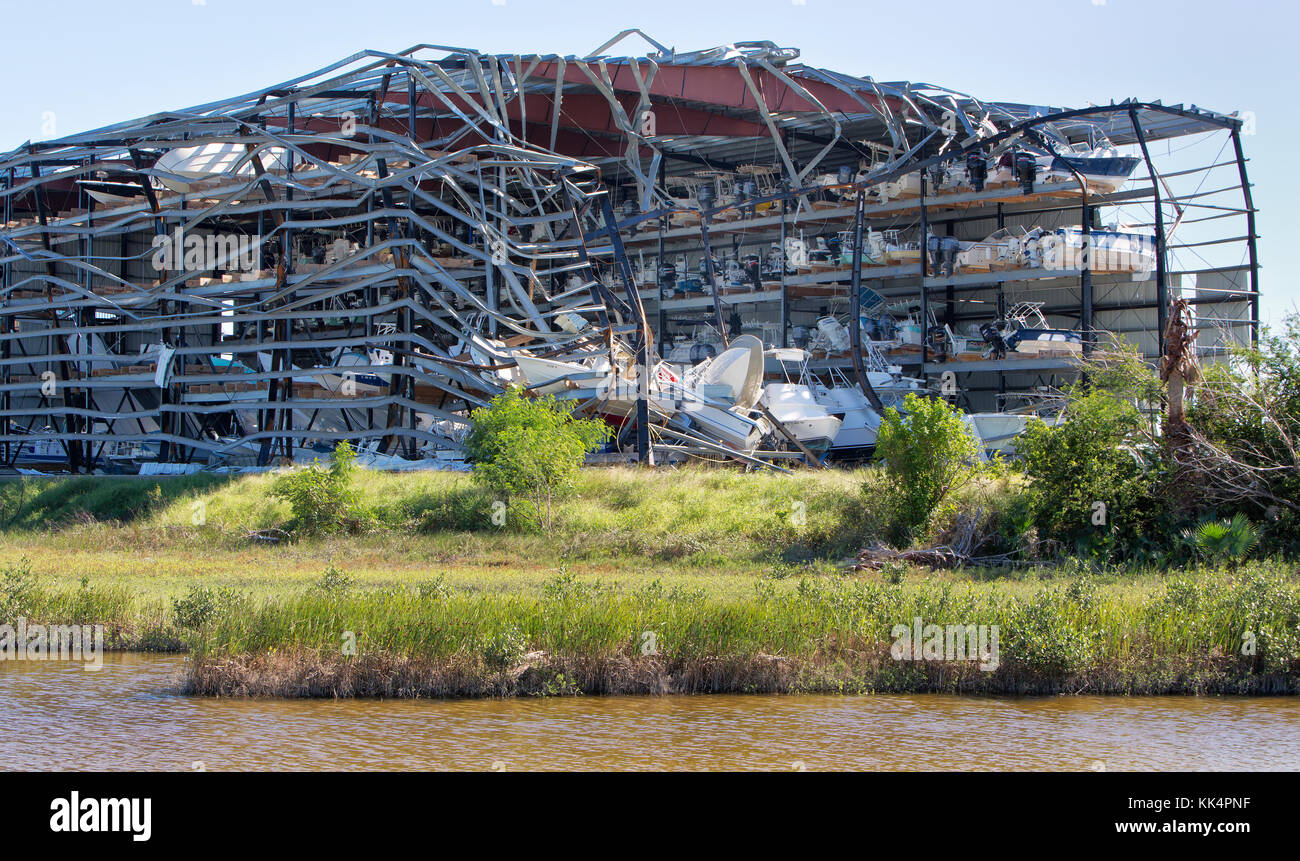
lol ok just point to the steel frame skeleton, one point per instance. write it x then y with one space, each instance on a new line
443 205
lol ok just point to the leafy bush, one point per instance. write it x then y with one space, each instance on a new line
1093 489
334 582
504 648
438 588
928 453
323 499
1041 635
530 448
18 591
1248 411
201 606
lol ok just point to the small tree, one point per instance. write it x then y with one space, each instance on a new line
928 453
1243 451
530 448
324 499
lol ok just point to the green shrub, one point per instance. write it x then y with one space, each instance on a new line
18 591
1042 635
334 582
530 449
1092 489
325 500
1248 408
928 453
504 648
201 606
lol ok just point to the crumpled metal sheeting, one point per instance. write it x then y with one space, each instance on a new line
470 204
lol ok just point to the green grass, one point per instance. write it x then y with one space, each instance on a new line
829 632
708 528
717 565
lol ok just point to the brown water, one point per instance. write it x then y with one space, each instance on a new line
58 716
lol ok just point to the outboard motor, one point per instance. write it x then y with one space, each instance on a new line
992 335
943 253
750 264
706 196
977 169
800 336
1026 171
700 352
844 176
937 339
937 174
667 278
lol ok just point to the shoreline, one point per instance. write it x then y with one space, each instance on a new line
309 676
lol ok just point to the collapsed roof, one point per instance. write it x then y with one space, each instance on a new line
450 209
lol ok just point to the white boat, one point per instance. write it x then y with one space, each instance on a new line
1102 250
846 400
999 430
182 169
1103 169
1000 249
548 376
739 368
723 425
794 406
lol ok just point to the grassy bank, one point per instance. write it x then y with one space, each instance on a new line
707 528
685 581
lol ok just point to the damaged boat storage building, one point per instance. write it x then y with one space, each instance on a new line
371 250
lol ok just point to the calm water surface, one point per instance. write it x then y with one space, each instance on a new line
58 716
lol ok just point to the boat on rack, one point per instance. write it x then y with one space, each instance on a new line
1103 169
1025 330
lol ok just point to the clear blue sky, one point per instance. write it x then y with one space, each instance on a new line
88 64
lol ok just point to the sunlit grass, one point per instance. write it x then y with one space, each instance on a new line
717 565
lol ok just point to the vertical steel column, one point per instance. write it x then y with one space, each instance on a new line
925 273
6 347
410 106
1085 279
713 280
661 315
1002 310
1162 285
855 307
1251 249
644 454
785 290
286 415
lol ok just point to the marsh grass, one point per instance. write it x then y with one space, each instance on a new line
736 577
822 635
805 633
